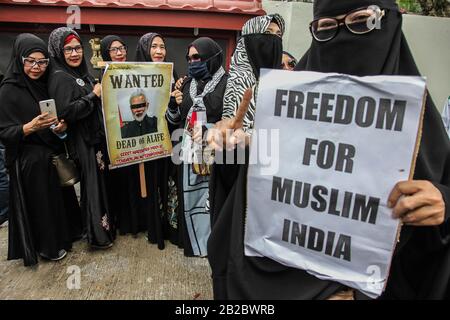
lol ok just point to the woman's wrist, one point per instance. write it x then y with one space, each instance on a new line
28 129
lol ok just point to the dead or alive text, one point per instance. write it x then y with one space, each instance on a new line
365 112
132 142
319 198
330 243
137 81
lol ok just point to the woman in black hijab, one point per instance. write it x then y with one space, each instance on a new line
113 49
151 213
421 265
38 220
206 86
235 276
78 101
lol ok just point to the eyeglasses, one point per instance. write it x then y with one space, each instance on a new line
292 63
30 62
138 105
117 49
359 21
69 50
194 57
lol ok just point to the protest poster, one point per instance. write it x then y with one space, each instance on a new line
135 98
343 144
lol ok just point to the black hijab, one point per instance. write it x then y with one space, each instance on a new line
105 44
209 51
55 47
19 99
144 45
71 87
373 53
25 44
421 267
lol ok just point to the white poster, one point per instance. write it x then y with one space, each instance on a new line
343 143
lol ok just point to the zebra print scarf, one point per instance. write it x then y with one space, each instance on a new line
242 75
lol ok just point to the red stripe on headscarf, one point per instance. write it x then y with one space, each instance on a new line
70 37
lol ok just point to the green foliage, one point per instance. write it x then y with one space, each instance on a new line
426 7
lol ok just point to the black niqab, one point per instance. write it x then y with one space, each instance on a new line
421 265
264 51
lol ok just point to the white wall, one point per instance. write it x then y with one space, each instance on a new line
428 38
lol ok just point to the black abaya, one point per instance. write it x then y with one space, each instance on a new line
420 267
81 109
37 215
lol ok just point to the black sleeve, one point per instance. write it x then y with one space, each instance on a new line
12 135
70 105
11 128
214 102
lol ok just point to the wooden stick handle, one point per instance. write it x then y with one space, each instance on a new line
142 180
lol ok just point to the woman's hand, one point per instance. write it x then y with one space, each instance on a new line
97 90
40 122
60 127
228 132
417 203
179 83
178 95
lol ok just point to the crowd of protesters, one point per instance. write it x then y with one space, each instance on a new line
204 214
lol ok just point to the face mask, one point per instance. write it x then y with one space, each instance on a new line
198 70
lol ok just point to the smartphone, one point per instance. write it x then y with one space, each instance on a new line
48 106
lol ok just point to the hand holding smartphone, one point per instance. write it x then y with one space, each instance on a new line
48 106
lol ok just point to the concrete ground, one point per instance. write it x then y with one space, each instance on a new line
131 269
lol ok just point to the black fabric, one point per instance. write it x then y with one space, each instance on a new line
146 214
214 106
144 45
139 128
14 84
383 54
55 47
25 44
38 216
264 51
330 8
420 267
105 44
81 109
236 276
209 51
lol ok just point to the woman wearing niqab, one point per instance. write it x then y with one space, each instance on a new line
421 264
420 267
